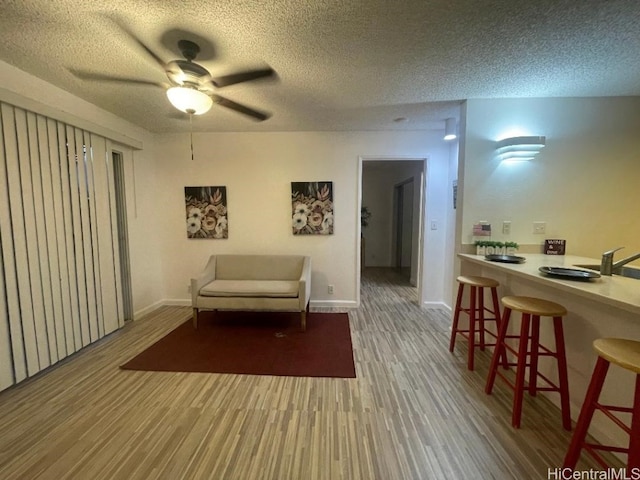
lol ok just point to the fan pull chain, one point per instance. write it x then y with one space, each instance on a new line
191 133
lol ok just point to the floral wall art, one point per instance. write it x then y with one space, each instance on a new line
206 211
312 204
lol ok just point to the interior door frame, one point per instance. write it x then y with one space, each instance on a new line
422 216
399 226
118 157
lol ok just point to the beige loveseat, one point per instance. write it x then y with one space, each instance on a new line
253 282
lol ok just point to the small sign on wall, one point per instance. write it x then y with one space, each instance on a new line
482 230
554 247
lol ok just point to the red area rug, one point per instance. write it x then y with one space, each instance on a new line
255 343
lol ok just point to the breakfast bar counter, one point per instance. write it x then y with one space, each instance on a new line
608 306
619 292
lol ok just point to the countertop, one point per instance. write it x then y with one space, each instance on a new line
620 292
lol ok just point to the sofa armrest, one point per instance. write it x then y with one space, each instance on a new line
304 292
208 275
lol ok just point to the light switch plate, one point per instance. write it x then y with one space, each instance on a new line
539 227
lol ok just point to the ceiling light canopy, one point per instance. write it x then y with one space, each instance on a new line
450 129
520 148
189 100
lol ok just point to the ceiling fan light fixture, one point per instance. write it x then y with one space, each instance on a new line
189 100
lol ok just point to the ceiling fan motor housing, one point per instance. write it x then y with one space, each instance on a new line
186 72
189 50
182 72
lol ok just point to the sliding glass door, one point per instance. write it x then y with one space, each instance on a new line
59 250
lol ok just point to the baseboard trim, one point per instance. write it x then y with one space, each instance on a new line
437 305
177 302
147 310
333 303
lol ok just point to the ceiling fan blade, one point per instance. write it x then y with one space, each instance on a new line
133 37
242 77
100 77
225 102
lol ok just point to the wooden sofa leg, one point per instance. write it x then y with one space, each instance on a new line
195 318
303 317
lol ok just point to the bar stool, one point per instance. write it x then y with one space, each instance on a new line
476 311
529 348
625 354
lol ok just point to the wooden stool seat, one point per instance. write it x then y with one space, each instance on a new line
534 306
476 331
478 281
528 353
625 354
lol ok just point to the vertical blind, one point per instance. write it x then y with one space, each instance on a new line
59 265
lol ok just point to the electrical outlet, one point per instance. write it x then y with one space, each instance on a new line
539 227
189 288
434 225
330 289
506 227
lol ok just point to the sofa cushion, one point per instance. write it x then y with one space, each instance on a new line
250 288
259 267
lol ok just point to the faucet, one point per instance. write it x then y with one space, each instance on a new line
607 267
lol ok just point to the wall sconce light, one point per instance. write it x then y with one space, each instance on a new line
520 148
450 129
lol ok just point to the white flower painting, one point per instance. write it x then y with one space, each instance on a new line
206 211
312 204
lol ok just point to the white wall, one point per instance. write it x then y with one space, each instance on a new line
45 98
144 248
257 169
584 183
451 245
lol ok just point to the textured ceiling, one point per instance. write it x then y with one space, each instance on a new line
341 64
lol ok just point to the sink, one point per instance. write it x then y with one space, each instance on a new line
622 272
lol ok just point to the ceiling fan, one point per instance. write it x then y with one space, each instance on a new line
191 87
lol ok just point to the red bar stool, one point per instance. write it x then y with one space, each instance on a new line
529 351
625 354
476 311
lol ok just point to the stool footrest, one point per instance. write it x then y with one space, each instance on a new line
607 409
593 451
552 385
460 332
506 380
543 352
607 448
468 312
551 388
465 334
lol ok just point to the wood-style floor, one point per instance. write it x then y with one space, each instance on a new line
413 412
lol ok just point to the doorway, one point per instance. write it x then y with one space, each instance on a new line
403 232
393 191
